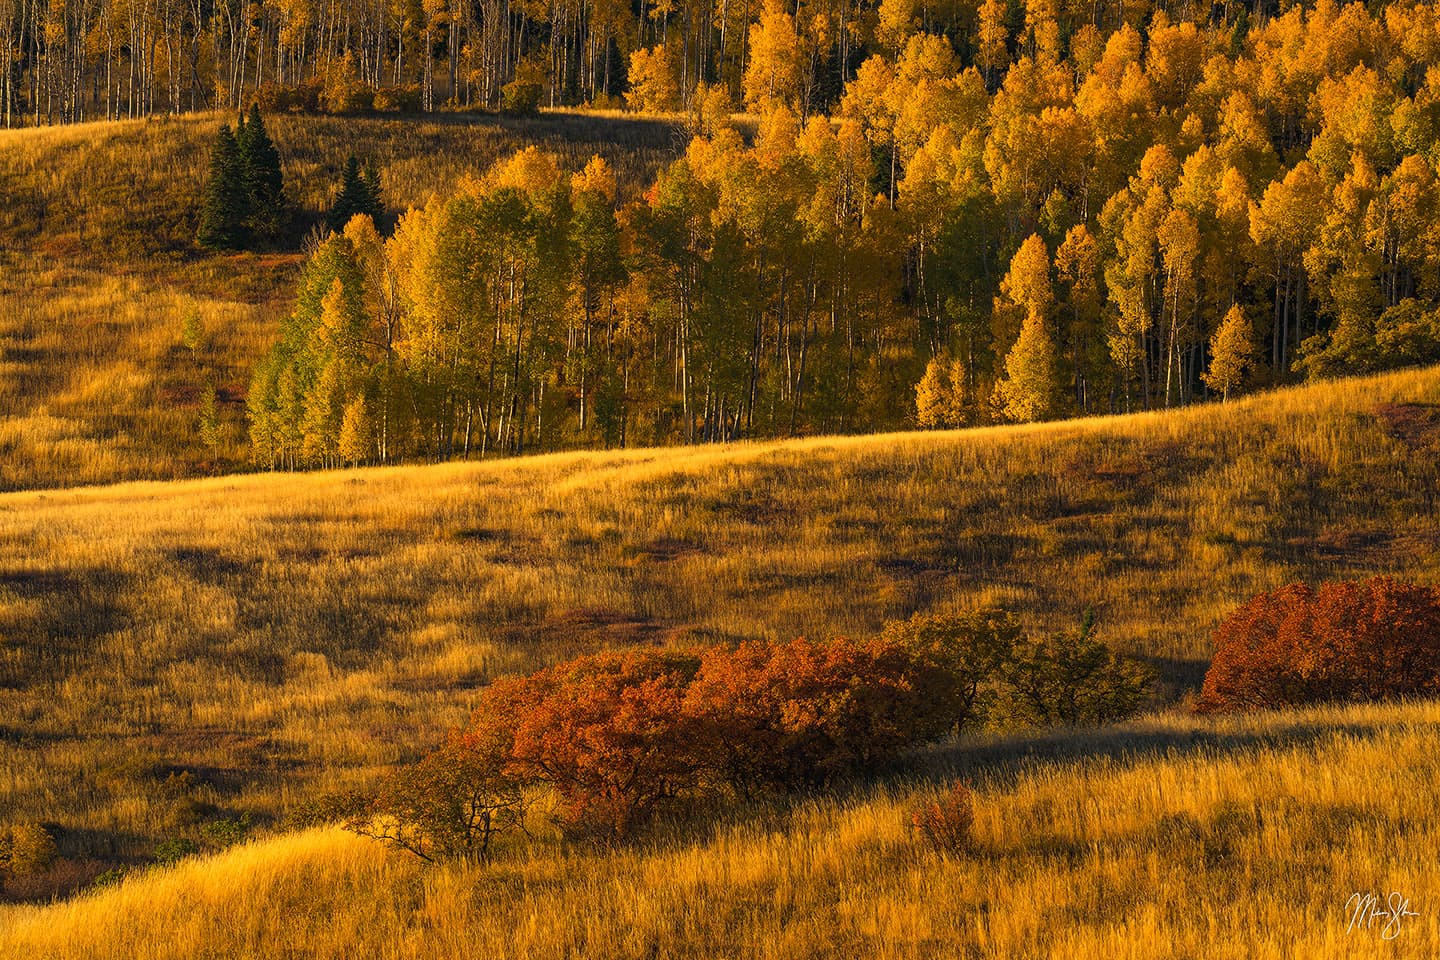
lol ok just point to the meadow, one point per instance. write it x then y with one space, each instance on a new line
1167 837
177 653
99 271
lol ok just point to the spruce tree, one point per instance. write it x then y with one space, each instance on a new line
359 193
268 211
371 177
223 208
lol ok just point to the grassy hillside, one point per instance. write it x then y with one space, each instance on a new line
1173 837
173 653
98 271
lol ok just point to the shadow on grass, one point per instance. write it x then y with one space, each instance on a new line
1004 761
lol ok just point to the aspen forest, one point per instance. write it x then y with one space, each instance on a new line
1077 216
695 479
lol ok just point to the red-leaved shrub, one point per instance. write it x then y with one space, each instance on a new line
945 823
798 713
1344 642
606 731
615 736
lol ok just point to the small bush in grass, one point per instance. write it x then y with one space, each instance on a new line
452 804
606 732
403 99
26 848
945 824
521 98
227 831
110 878
325 809
288 98
1072 680
775 716
174 850
1342 642
962 656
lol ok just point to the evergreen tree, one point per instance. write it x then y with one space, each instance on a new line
359 193
371 177
223 209
268 211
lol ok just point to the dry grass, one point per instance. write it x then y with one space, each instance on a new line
1172 837
280 635
98 272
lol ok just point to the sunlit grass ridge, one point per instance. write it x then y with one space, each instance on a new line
281 635
1170 837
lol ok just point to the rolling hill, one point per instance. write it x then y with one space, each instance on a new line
1170 837
99 271
172 653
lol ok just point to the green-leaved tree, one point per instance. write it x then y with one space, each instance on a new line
1030 390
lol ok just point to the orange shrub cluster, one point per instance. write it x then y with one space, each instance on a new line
616 736
1370 640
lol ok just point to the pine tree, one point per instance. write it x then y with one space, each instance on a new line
268 211
223 209
371 177
1030 390
359 194
1232 351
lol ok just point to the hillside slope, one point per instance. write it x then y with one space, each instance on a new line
99 272
1173 837
268 637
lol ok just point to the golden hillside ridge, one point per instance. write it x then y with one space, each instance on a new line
1146 840
300 633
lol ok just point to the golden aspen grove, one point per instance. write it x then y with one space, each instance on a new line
711 478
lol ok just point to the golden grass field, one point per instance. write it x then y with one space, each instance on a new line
178 647
176 652
98 271
1167 837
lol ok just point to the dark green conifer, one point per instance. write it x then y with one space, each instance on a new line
359 193
371 176
264 181
223 210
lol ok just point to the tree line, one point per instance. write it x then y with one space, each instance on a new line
71 60
931 254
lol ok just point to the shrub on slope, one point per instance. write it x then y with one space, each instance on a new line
1349 641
